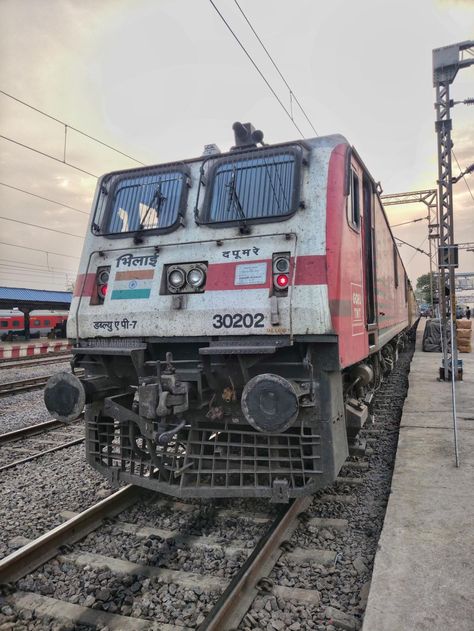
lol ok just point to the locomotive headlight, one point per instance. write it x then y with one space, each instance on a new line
196 277
176 278
101 285
103 277
282 265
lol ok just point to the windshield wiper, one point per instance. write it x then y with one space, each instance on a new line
234 198
159 199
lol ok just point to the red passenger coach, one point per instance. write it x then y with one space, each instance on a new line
233 315
12 323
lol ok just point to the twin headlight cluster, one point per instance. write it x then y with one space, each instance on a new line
186 278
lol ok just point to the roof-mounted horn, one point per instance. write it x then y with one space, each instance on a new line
246 135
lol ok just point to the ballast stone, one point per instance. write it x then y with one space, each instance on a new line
341 620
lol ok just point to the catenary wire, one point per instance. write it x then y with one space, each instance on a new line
57 120
37 275
25 247
35 225
39 269
415 253
47 155
463 176
53 201
256 68
404 223
411 246
32 265
292 94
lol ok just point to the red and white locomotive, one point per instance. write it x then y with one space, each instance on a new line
233 314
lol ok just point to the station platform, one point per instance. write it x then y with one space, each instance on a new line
42 346
423 577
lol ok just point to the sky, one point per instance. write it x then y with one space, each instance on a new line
159 79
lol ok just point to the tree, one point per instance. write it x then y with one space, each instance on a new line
423 287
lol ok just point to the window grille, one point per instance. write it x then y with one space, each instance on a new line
253 187
141 200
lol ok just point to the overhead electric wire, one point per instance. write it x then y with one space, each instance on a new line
463 175
39 269
53 201
25 247
32 265
418 248
47 155
404 223
292 94
35 225
411 246
257 68
31 273
57 120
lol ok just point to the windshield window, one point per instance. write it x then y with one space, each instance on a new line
151 201
252 188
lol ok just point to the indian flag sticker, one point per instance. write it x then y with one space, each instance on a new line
132 285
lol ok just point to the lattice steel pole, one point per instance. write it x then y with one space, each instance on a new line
446 63
446 232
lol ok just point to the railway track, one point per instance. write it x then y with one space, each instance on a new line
24 385
154 563
35 360
228 603
29 443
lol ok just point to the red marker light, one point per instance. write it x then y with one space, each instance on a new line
282 280
103 290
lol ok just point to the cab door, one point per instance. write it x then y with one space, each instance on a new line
369 259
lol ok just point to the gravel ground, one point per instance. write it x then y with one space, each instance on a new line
32 495
126 595
205 520
22 409
18 449
25 408
29 372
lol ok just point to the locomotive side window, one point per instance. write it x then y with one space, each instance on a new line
263 186
4 324
16 323
142 200
353 201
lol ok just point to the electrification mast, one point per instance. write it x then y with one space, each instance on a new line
446 63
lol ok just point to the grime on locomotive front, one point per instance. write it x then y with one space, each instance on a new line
227 317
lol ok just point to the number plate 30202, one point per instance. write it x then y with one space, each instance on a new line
238 321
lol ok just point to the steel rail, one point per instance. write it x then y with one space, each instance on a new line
31 430
22 385
37 552
235 601
71 443
35 360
